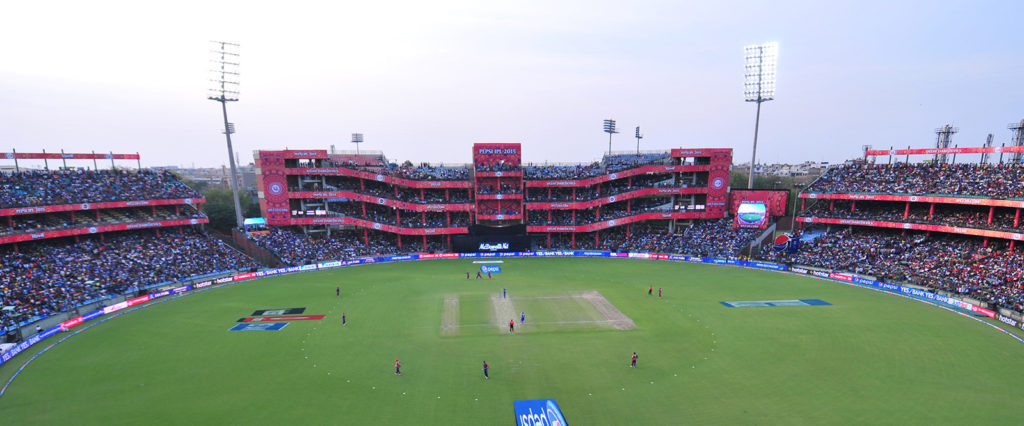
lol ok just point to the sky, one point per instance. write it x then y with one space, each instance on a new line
423 81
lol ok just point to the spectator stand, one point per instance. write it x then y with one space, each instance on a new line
326 194
78 237
43 204
49 277
952 228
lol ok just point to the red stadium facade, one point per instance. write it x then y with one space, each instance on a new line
321 191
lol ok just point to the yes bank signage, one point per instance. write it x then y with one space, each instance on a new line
539 412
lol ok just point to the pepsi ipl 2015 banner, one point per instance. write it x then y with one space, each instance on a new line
539 412
491 153
490 269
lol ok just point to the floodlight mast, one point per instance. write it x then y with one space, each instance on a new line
357 138
224 90
944 138
759 86
638 137
1018 139
609 128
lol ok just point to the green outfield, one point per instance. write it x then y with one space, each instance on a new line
867 358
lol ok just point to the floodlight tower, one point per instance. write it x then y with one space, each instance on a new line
609 128
357 138
943 139
224 90
638 137
1018 139
759 86
988 144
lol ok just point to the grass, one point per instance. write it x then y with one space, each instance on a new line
868 358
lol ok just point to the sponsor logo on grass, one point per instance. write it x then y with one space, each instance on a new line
538 412
284 318
259 327
489 269
774 303
289 311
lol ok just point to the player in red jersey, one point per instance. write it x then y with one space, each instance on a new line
398 367
633 364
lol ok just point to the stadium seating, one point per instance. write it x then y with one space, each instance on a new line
52 187
47 277
983 269
713 238
991 181
610 164
952 263
944 214
296 248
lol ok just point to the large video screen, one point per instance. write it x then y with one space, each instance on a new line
751 215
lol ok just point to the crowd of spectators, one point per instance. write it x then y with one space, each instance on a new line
574 171
23 224
615 187
605 212
956 264
46 277
503 188
943 214
404 218
492 208
497 167
295 248
610 164
400 193
619 162
423 171
54 187
985 180
709 238
427 171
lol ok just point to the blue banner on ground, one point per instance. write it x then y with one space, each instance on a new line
260 326
490 269
771 303
539 412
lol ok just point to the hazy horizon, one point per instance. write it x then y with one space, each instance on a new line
423 82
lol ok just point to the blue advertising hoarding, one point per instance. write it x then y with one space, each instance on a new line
538 412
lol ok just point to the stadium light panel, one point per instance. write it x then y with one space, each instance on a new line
759 72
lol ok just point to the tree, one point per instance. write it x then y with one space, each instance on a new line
220 208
